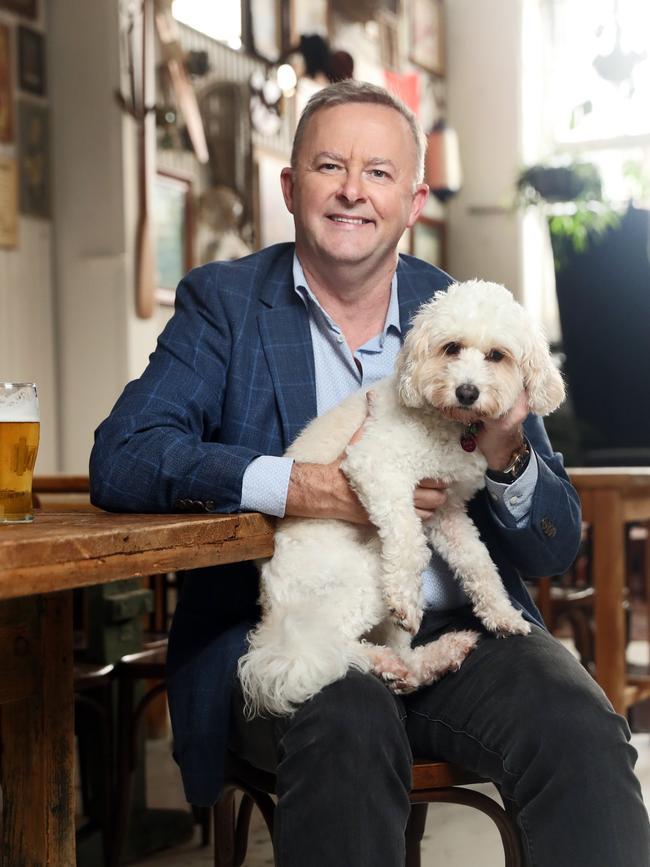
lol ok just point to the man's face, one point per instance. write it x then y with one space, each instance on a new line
353 191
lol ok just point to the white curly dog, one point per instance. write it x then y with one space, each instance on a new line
336 595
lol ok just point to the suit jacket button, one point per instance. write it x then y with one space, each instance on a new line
177 505
210 506
548 527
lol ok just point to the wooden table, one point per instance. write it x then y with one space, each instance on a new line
40 563
612 497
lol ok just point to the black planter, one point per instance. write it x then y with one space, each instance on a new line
604 301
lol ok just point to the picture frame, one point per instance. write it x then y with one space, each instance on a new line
273 223
8 202
173 227
33 159
308 17
265 27
426 34
429 241
26 8
6 91
31 61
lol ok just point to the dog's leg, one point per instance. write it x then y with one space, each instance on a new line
431 661
453 534
387 497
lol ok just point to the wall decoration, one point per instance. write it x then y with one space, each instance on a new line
26 8
308 17
34 163
6 95
266 29
31 61
172 216
8 202
429 241
389 39
273 222
426 27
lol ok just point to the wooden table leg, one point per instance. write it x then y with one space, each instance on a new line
37 734
604 512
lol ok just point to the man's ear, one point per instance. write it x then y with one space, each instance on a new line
286 182
420 197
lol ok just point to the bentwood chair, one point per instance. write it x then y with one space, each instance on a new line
432 782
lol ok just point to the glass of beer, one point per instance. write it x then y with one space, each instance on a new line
19 434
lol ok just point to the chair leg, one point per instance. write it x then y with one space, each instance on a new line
504 822
414 832
224 824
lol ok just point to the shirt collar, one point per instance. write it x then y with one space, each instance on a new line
303 291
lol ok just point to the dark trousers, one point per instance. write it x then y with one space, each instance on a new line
521 712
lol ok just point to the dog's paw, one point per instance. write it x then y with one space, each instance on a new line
407 617
391 669
506 621
456 646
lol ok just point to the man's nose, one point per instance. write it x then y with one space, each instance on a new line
352 189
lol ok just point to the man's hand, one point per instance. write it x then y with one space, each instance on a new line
498 438
322 491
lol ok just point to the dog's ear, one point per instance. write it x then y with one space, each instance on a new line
542 379
406 366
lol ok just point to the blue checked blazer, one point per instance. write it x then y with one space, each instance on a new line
232 377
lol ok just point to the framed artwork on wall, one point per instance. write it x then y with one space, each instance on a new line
6 95
426 33
31 61
266 28
308 17
8 202
33 165
429 241
273 222
173 226
26 8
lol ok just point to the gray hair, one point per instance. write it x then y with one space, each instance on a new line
345 92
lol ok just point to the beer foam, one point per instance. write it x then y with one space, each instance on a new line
19 404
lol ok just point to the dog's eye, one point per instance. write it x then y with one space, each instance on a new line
495 355
451 349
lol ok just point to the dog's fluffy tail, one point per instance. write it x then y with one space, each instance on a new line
292 657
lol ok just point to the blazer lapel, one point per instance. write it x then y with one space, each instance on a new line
286 340
414 288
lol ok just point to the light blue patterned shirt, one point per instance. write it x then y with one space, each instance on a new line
339 373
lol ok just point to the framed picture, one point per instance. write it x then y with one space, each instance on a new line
31 61
266 28
6 95
8 202
389 39
33 160
173 219
273 222
426 26
308 17
429 241
26 8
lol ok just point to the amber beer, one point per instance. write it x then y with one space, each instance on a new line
19 435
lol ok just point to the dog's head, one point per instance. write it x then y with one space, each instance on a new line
471 350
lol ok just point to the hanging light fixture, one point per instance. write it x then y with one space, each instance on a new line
442 169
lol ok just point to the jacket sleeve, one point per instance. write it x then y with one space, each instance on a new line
549 542
158 450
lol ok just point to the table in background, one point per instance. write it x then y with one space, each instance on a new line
40 564
612 498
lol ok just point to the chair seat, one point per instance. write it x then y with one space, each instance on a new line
440 775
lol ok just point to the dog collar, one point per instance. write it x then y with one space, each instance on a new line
468 436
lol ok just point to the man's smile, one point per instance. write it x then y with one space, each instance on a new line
352 221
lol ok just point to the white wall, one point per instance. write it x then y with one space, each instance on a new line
484 105
101 343
27 351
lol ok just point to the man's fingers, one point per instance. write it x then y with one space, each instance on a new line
356 436
432 483
429 498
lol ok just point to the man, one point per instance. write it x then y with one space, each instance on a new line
255 349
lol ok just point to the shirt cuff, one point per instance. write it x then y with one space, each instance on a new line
511 503
265 485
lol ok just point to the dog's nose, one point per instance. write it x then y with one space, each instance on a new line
467 393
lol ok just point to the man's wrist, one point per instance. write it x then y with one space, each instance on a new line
515 465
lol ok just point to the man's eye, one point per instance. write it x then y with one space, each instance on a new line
495 355
451 348
328 167
379 173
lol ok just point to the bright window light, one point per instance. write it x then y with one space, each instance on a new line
218 19
585 106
